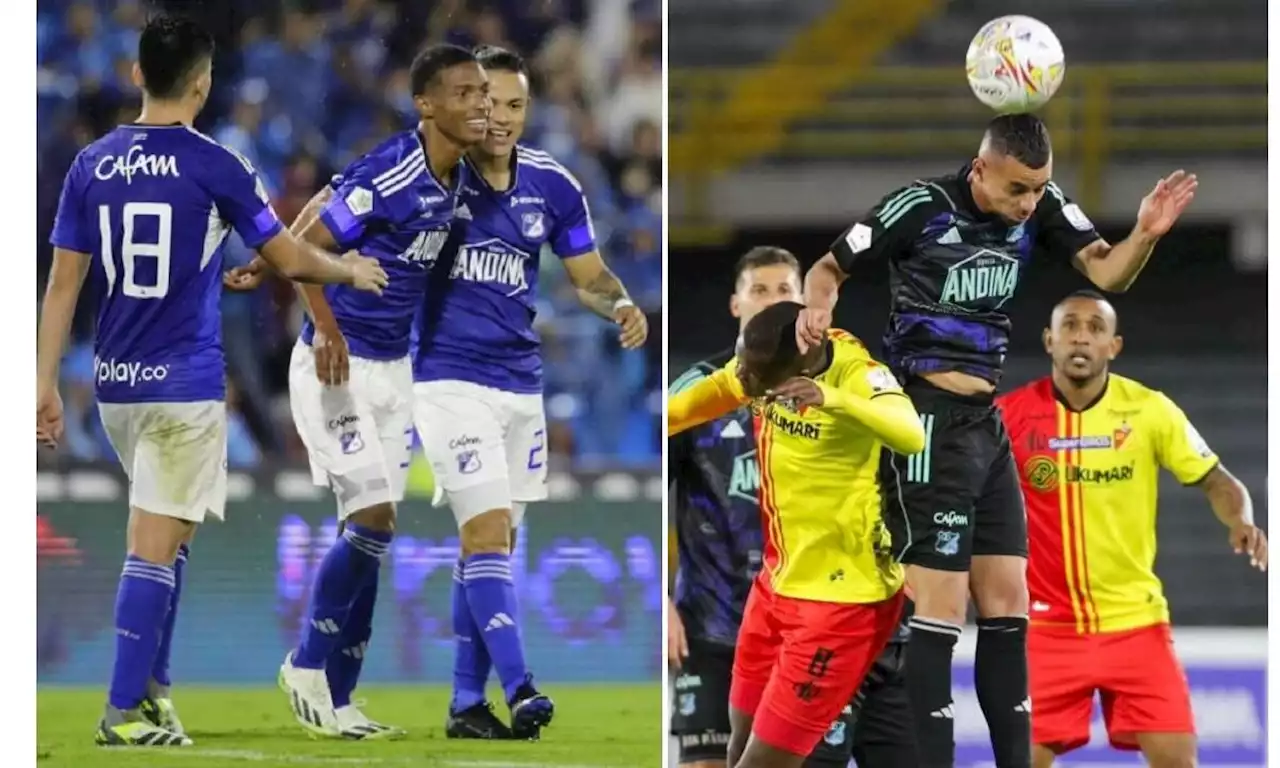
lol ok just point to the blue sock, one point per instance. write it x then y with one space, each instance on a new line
471 662
160 668
346 568
343 667
491 597
141 604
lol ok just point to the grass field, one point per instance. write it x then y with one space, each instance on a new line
595 727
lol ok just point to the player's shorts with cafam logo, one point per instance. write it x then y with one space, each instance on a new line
700 705
487 447
359 436
799 662
1134 672
960 496
175 455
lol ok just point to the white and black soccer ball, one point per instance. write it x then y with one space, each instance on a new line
1015 64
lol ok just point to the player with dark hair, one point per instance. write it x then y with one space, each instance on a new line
477 385
147 207
829 596
350 381
956 247
716 518
1090 445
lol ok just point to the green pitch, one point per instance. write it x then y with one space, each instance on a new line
596 726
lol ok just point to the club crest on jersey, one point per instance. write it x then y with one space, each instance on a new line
532 225
835 734
1121 434
359 201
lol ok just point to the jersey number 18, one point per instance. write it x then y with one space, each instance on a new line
131 251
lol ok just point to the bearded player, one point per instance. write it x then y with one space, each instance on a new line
147 208
956 247
1090 446
350 385
716 514
829 596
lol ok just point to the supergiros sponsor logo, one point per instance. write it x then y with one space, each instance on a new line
128 373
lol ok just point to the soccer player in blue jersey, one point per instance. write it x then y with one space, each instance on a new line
350 384
146 209
477 372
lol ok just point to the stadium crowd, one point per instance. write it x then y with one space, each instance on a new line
301 89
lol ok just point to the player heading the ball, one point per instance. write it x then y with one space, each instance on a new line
147 209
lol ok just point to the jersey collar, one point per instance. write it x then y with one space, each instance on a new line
515 174
830 350
1057 394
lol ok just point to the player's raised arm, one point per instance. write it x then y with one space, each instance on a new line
1181 450
872 397
1115 267
705 400
600 291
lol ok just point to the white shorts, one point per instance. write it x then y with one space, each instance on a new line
359 436
175 455
487 448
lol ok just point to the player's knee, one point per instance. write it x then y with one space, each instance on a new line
379 517
999 585
487 533
1168 750
939 595
156 538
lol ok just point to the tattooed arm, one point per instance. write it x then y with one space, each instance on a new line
603 293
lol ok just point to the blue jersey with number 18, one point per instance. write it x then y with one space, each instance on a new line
152 205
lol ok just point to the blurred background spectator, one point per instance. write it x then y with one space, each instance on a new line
301 88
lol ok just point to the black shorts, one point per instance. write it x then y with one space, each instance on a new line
960 496
700 702
875 729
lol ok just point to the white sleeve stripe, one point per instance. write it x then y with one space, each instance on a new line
535 153
395 187
408 170
553 167
244 161
400 167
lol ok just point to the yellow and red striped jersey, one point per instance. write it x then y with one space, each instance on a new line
819 494
1089 479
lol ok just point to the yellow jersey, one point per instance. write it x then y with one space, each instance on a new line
820 499
1089 479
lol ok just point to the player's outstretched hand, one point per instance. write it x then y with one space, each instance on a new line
634 326
1164 204
49 423
333 362
801 392
677 641
811 327
366 273
247 277
1248 539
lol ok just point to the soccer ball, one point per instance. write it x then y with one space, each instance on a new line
1015 64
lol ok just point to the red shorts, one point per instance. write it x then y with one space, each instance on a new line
799 662
1135 672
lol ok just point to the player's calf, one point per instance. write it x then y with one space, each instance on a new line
941 598
999 587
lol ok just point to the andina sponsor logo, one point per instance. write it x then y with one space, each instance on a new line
128 373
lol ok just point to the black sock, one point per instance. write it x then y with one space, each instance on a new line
1000 677
929 688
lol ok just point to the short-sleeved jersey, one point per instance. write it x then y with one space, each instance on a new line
152 206
390 206
953 270
477 324
1089 478
820 499
715 484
